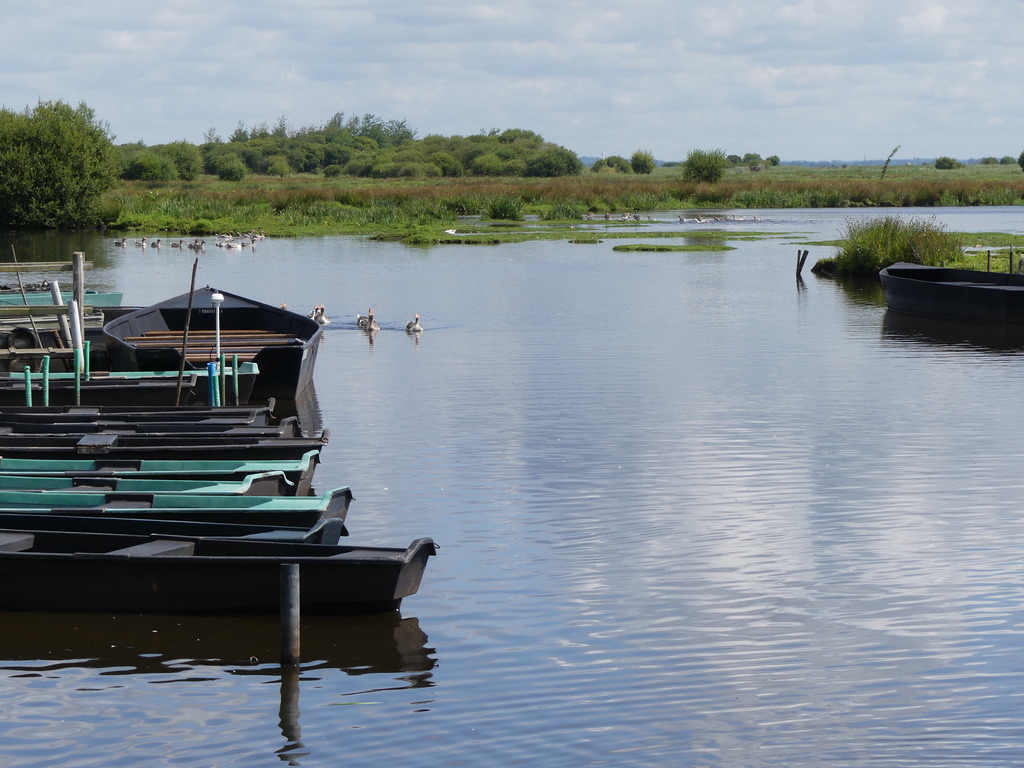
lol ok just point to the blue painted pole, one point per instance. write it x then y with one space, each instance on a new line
211 384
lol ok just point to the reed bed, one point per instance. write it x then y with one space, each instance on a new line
316 205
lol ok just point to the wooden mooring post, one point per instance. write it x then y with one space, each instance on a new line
290 615
801 257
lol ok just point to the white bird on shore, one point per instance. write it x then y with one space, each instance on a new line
413 326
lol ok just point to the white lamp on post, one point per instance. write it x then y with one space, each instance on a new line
217 298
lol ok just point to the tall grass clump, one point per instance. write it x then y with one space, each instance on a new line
869 245
561 211
504 208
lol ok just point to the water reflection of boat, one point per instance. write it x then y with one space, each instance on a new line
133 643
963 294
1006 337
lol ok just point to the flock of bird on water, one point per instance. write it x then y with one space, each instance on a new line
591 216
365 322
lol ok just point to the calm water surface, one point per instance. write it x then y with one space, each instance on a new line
691 512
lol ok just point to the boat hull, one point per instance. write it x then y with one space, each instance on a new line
961 294
99 573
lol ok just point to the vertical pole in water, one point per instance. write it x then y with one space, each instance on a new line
28 386
78 290
234 378
76 346
211 384
46 379
217 298
222 380
290 602
184 333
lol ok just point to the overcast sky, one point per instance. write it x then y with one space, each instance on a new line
805 80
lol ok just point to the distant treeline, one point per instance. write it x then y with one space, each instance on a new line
366 146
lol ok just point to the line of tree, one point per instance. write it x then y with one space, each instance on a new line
366 146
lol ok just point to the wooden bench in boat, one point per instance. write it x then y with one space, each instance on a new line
158 548
16 542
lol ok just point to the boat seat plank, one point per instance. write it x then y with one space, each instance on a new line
158 548
16 542
246 341
223 332
97 440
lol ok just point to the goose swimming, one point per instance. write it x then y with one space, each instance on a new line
413 326
319 314
366 322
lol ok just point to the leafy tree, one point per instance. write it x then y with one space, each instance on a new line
735 160
229 167
1020 161
239 134
1006 160
55 163
150 166
752 158
642 161
187 159
553 161
947 163
278 166
988 161
706 166
773 160
612 164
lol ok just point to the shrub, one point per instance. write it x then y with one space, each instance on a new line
332 171
612 164
947 163
869 245
187 159
55 163
150 166
278 166
553 161
707 166
642 161
230 168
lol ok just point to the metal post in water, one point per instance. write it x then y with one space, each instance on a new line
28 386
78 375
222 381
234 379
78 288
290 615
212 391
46 379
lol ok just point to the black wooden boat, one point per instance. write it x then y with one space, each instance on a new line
326 530
282 343
298 472
199 414
963 294
44 570
249 448
294 511
288 427
256 484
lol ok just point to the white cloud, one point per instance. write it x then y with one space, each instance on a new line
804 79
